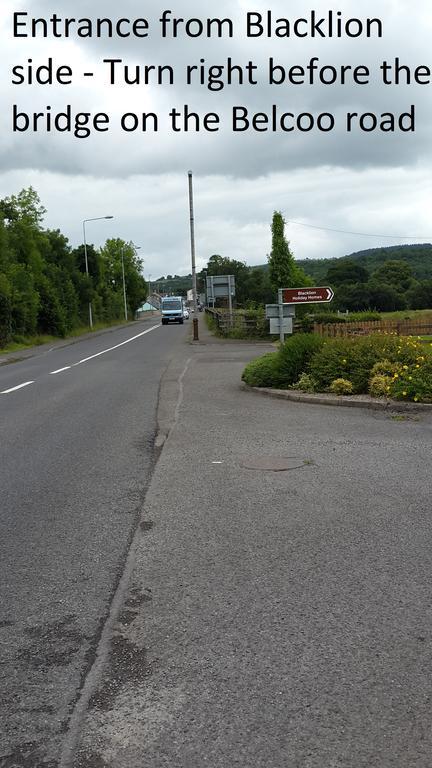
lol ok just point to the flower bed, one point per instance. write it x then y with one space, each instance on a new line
382 365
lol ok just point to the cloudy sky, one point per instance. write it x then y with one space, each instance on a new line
373 183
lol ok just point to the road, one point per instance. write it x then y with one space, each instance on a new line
76 454
274 619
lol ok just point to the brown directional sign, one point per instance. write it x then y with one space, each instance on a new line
307 295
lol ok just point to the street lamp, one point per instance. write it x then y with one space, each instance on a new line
136 248
97 218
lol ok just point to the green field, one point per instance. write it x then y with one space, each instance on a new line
409 314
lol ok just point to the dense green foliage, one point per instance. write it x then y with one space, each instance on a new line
381 279
381 365
264 372
418 258
391 287
414 382
44 288
378 280
295 355
283 368
281 260
352 359
283 271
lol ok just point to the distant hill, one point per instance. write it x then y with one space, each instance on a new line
419 257
180 284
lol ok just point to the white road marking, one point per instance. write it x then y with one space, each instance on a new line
86 359
104 351
60 370
14 389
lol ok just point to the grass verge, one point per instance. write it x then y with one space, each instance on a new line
20 343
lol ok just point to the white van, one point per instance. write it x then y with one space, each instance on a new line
172 310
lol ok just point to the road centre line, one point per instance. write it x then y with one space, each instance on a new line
60 370
104 351
14 389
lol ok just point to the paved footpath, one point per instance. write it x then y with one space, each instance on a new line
269 618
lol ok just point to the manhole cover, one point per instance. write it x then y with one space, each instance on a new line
273 463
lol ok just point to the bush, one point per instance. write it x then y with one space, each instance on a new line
5 311
379 385
414 382
263 372
328 317
341 387
295 355
354 358
305 383
385 368
383 365
363 317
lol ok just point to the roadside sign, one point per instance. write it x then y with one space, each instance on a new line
307 295
275 328
220 285
272 310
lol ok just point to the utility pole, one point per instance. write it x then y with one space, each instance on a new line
124 285
194 281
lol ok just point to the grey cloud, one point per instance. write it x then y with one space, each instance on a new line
250 154
365 183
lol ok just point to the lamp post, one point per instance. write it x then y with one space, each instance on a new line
136 248
97 218
124 285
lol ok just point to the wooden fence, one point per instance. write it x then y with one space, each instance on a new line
398 327
227 321
250 324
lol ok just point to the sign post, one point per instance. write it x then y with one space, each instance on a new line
281 328
281 317
281 314
307 295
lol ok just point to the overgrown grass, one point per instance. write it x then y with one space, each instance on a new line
24 342
211 323
20 343
259 330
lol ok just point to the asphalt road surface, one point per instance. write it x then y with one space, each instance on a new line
77 426
274 619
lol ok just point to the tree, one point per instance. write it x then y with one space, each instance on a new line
116 255
220 265
385 298
395 273
346 271
355 297
420 295
52 317
281 261
26 205
258 288
93 261
25 300
5 311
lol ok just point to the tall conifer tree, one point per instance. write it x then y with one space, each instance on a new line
282 270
